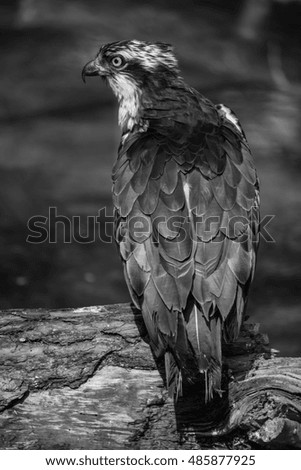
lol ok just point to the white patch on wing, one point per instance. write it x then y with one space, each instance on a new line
124 137
187 189
228 114
128 96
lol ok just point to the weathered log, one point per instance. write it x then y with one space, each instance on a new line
86 379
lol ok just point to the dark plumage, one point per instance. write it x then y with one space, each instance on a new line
186 202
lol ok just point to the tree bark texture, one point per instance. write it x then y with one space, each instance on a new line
86 379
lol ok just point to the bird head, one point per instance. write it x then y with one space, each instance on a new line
133 68
134 62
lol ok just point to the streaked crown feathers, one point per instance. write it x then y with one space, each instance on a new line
150 55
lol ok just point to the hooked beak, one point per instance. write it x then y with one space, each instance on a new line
92 69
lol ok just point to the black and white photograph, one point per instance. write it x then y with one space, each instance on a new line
150 230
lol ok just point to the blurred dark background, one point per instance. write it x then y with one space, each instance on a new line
58 138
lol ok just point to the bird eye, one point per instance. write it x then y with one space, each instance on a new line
118 61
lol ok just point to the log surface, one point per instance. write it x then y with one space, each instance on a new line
86 379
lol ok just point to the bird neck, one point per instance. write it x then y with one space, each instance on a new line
173 101
157 99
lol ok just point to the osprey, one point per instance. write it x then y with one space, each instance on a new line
186 199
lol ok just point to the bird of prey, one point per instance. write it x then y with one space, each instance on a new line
186 199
